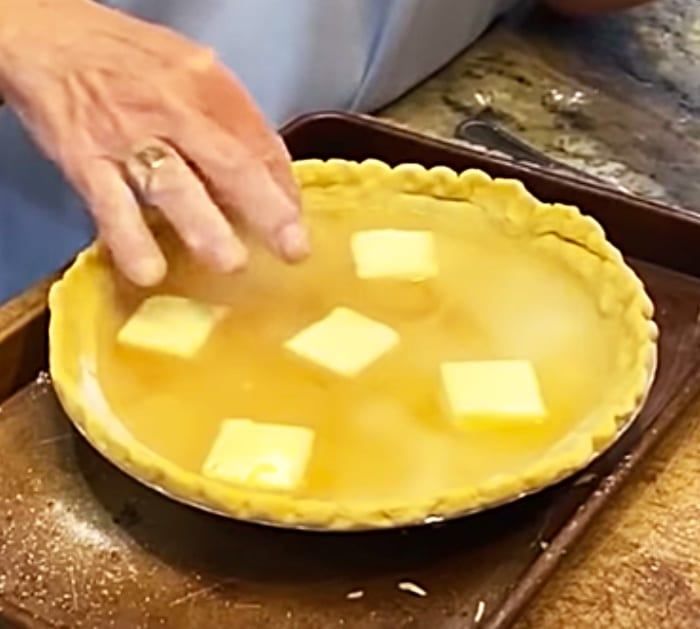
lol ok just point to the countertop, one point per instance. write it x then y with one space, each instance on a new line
619 97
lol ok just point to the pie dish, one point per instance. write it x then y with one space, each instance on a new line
520 279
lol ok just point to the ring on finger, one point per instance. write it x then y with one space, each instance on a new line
142 166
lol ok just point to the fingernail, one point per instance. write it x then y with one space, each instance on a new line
293 242
148 271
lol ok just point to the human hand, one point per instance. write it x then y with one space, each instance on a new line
135 114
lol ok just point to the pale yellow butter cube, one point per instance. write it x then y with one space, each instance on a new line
344 342
171 325
259 455
481 392
394 254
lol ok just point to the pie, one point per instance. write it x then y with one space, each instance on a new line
451 344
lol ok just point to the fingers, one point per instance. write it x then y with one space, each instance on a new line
242 182
218 90
218 151
168 183
120 223
279 163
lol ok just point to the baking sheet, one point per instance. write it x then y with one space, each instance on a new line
83 545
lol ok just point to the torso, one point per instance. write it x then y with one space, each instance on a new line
314 54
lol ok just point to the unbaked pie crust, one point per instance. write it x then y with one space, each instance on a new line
560 231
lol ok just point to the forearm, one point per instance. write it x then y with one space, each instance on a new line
591 7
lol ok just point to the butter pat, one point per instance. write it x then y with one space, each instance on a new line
344 342
394 254
171 325
492 391
262 456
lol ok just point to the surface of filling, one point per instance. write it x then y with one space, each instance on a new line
383 430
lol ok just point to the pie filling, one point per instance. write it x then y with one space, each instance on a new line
423 348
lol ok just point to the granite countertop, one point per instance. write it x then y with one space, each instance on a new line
618 97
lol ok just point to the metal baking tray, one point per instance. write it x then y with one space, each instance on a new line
83 545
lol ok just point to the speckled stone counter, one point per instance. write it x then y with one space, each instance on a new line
618 97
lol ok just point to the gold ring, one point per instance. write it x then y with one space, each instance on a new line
152 157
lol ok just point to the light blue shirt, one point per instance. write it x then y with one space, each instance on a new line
294 56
